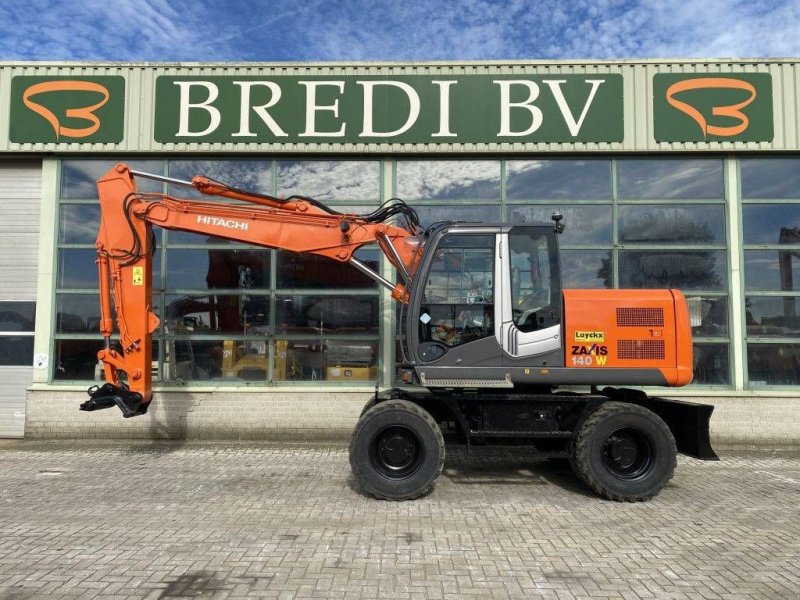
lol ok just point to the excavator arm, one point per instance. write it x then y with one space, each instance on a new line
126 244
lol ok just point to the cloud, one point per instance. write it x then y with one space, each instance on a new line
325 30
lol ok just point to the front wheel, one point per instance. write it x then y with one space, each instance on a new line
624 452
397 451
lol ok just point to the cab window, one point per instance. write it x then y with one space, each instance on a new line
535 289
457 305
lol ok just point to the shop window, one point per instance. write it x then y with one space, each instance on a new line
428 215
250 175
770 178
79 177
330 180
681 269
583 223
672 224
448 180
558 180
773 364
646 178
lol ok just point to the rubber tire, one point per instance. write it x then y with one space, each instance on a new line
587 461
408 414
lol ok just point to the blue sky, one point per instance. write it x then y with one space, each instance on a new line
326 30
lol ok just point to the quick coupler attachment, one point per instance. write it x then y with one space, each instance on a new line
108 395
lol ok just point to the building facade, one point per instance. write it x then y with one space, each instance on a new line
669 175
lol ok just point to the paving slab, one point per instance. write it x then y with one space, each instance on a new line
134 520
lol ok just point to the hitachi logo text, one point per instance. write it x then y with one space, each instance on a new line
227 223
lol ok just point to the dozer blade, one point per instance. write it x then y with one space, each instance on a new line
108 395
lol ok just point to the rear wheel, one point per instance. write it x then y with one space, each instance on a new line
624 452
397 450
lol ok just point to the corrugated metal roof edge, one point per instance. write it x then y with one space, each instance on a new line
442 63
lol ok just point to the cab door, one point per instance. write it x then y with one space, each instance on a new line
530 304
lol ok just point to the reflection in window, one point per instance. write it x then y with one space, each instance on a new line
558 179
328 180
342 361
248 175
77 268
771 223
777 270
773 364
218 268
681 269
77 313
16 350
326 314
699 178
711 364
17 316
584 224
687 224
586 269
448 180
772 316
76 359
708 315
79 223
428 215
770 178
307 271
224 313
79 177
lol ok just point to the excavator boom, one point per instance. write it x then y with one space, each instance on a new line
125 246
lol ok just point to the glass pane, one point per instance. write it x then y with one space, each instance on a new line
319 360
17 316
77 359
448 180
195 360
699 178
768 178
248 175
79 177
77 269
686 224
682 269
226 313
711 365
708 315
328 180
78 313
218 269
78 223
584 224
772 317
473 214
326 314
558 179
586 269
771 223
777 270
773 364
308 271
16 350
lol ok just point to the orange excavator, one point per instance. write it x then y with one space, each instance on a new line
489 342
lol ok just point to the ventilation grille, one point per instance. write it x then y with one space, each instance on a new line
640 349
640 317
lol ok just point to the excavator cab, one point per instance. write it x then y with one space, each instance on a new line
486 297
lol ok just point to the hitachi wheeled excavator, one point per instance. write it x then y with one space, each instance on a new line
491 348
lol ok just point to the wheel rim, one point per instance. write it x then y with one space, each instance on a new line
627 454
396 452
